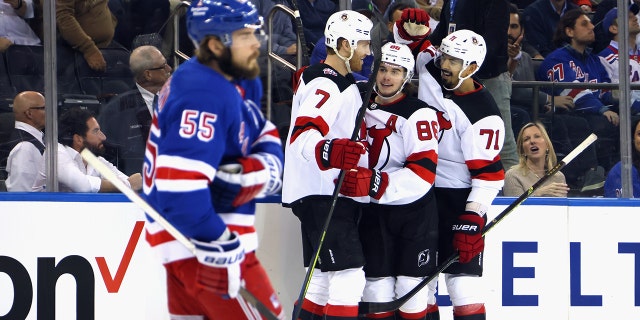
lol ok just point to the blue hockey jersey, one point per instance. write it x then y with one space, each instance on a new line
202 121
567 65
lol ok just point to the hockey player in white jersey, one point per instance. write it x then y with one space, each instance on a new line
324 109
401 223
469 173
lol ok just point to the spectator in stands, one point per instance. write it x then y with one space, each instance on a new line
609 56
13 27
540 21
585 5
519 115
25 148
126 118
79 129
613 184
567 130
574 62
490 19
86 26
537 157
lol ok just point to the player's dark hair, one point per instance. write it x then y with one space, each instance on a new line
331 51
568 20
203 53
74 121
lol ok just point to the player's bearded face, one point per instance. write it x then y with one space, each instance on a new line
240 60
362 50
240 65
450 68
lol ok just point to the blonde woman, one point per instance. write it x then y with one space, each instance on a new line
537 157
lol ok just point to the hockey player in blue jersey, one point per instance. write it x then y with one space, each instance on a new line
210 153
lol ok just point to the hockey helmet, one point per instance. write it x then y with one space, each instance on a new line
465 45
220 18
399 54
347 24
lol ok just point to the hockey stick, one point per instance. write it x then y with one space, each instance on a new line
135 198
336 190
375 307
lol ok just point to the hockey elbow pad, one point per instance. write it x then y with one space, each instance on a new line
338 153
218 270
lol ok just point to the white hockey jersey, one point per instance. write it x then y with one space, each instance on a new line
469 149
403 142
325 106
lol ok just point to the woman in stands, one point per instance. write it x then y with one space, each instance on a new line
537 157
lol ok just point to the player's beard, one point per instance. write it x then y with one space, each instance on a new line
95 149
355 64
239 70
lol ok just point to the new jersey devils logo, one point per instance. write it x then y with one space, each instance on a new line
443 122
379 140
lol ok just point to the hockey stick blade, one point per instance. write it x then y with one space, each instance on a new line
151 212
336 190
365 308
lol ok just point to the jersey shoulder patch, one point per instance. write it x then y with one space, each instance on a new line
325 71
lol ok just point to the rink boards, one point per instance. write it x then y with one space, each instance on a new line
84 256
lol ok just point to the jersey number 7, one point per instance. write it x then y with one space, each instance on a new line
492 139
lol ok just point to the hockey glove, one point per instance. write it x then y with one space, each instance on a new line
413 24
467 235
219 267
238 183
364 182
338 153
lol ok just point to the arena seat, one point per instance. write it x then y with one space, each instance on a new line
116 79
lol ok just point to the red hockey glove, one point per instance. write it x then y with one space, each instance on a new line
219 267
238 183
338 153
364 182
413 24
467 235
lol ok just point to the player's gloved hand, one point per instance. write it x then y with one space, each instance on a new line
364 182
238 183
338 153
467 235
413 24
219 267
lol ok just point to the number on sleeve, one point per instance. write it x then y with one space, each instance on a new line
426 130
493 138
325 96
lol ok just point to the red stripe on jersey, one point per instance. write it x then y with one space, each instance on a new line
574 92
177 174
303 124
158 238
274 133
423 164
241 229
341 311
486 169
490 176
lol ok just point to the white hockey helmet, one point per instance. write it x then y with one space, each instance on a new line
347 24
399 54
465 45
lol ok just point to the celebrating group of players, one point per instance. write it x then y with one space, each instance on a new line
419 173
